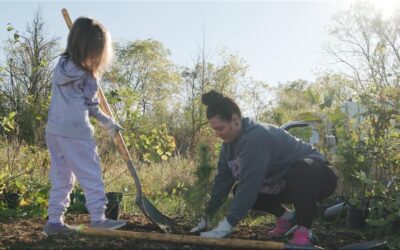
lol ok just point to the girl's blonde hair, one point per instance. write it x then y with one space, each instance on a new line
89 46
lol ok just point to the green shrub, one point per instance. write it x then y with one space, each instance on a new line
155 146
198 194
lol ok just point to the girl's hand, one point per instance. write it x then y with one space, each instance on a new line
112 127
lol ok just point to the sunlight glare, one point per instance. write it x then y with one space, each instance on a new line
387 6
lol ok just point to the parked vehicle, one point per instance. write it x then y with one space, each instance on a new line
330 140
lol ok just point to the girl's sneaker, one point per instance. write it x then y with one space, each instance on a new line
58 228
301 237
108 224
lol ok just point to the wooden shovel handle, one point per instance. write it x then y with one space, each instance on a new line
66 18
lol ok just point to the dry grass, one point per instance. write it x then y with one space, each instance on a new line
164 183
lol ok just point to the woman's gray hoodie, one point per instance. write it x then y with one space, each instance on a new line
258 160
73 99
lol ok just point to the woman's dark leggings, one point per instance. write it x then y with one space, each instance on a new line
307 182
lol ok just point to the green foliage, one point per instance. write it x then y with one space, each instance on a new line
155 145
296 100
199 79
302 133
28 121
384 200
143 67
369 142
198 194
123 101
10 28
203 172
328 100
349 158
368 157
7 123
255 97
26 79
35 202
308 117
31 204
306 133
23 186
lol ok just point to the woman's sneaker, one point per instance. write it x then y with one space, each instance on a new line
301 237
108 224
58 228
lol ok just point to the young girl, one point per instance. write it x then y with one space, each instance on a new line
69 134
270 166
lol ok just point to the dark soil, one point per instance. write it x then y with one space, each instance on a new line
26 234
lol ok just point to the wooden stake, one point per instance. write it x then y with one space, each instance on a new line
185 239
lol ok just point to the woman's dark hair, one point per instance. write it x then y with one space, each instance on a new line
220 105
89 40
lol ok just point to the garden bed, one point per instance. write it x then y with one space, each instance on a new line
26 234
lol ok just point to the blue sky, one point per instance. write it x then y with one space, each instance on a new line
279 40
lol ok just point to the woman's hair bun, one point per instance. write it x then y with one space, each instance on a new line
212 98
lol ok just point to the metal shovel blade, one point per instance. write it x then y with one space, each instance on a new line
148 209
151 212
297 247
367 245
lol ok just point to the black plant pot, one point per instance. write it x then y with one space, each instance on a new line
355 218
113 210
396 224
114 196
113 205
321 207
12 199
335 211
77 198
77 204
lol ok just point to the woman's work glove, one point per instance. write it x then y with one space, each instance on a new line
200 226
112 127
222 230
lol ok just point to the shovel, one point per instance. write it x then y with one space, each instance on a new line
148 209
